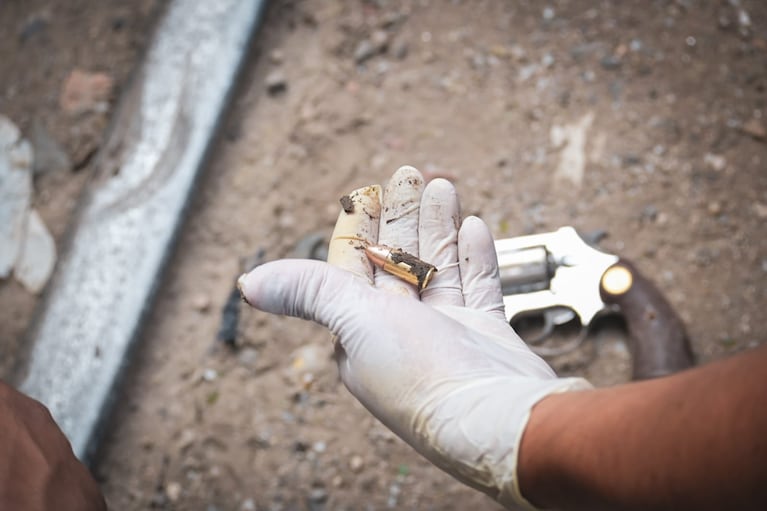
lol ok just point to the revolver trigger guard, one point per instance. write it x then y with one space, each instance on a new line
549 324
570 346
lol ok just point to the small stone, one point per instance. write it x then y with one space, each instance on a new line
86 92
716 162
356 464
201 302
369 48
248 357
34 25
611 62
380 40
399 49
760 210
307 363
394 492
518 52
248 505
276 83
15 193
319 447
365 50
755 129
277 56
338 481
186 439
173 491
649 213
548 13
209 374
317 498
714 208
37 257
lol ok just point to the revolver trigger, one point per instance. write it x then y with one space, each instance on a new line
550 321
559 315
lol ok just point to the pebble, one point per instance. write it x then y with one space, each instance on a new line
35 25
37 257
356 464
715 161
248 357
380 40
86 92
611 62
275 82
209 374
277 56
201 302
185 439
248 505
394 493
760 210
372 46
714 208
173 491
399 49
317 498
755 129
364 51
15 193
650 213
307 363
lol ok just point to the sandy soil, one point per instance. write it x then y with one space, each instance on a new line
657 111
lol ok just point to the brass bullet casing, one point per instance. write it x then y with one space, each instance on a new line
401 264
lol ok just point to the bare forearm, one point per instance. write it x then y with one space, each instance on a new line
697 440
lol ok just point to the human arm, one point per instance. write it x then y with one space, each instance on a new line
695 440
38 470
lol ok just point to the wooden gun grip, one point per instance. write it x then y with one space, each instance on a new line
658 341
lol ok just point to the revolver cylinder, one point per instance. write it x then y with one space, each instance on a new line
525 270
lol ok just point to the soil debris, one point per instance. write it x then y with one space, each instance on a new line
421 270
348 204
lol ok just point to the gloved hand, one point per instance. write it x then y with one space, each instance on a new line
443 370
38 470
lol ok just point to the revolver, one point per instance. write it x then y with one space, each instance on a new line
557 276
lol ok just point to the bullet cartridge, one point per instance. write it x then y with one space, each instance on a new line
401 264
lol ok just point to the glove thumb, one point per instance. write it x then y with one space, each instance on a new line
303 289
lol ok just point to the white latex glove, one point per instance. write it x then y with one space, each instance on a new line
444 371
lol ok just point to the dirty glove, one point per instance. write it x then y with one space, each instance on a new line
443 370
38 470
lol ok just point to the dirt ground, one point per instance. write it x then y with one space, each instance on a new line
642 119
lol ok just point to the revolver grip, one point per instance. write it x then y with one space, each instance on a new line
658 342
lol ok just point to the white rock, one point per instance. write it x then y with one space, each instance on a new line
37 257
15 193
173 491
572 158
